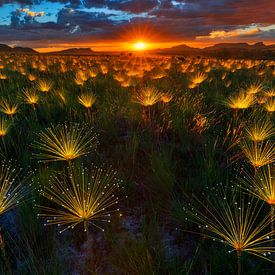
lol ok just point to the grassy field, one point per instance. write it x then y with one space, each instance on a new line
136 165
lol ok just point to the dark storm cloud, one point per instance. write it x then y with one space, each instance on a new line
75 3
85 20
247 11
191 8
220 12
70 24
23 2
133 6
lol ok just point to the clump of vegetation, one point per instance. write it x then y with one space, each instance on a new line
192 144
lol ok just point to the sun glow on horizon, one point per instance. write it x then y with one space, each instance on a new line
140 46
120 46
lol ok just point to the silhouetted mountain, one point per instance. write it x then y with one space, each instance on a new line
240 50
230 46
6 49
179 49
73 51
224 50
24 50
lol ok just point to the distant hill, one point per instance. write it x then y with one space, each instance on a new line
6 49
240 50
223 50
73 51
177 50
219 46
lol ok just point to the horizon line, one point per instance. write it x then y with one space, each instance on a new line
124 49
38 49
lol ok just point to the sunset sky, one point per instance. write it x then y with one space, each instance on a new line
114 25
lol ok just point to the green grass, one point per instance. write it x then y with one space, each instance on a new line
161 162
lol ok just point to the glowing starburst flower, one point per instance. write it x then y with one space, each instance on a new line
262 185
159 75
87 196
104 69
11 191
65 142
261 99
80 78
166 97
270 93
8 108
3 76
126 84
236 223
198 78
31 77
261 72
4 126
87 100
240 101
92 73
270 105
148 96
260 130
254 88
192 85
259 154
44 86
30 97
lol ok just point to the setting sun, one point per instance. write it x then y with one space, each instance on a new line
140 46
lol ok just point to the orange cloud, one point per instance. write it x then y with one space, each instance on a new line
33 13
229 34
